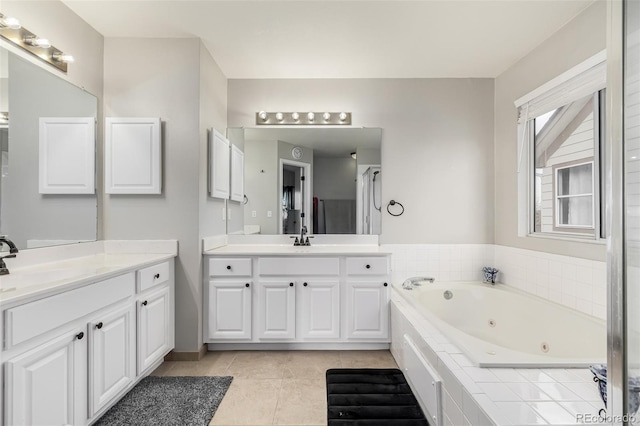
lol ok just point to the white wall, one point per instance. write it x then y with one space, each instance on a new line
437 145
166 78
334 178
213 114
580 39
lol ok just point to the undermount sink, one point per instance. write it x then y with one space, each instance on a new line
29 278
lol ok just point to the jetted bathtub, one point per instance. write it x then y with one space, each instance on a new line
498 326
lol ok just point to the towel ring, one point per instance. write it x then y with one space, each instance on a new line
393 203
245 200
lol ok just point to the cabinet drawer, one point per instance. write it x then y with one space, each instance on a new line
367 266
226 267
32 319
153 276
299 266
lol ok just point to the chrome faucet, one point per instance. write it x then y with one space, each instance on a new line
12 253
412 282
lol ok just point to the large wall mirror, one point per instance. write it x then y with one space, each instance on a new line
32 219
325 179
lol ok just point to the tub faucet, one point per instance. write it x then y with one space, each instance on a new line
12 253
412 282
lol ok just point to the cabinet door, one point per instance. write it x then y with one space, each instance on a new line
133 156
218 165
154 321
111 356
277 310
48 385
367 310
229 310
237 174
320 309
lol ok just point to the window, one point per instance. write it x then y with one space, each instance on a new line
561 127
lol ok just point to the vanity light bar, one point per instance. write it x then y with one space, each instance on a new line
264 118
13 32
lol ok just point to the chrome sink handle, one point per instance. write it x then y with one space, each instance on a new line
5 240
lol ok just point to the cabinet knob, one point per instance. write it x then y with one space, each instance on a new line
290 284
368 266
144 303
246 285
99 325
229 267
305 284
80 335
385 284
156 276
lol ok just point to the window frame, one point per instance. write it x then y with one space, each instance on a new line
593 72
560 227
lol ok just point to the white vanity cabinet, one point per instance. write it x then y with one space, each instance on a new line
44 386
228 293
112 349
68 357
298 300
367 301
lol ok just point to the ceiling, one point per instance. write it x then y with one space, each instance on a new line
344 39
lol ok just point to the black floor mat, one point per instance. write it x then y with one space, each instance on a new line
371 397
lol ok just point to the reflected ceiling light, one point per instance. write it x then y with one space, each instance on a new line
353 155
306 118
60 57
37 41
22 38
10 22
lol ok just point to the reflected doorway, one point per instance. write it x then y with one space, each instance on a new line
295 190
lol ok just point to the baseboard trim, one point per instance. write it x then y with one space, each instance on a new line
297 346
186 356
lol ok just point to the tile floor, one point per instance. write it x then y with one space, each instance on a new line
274 387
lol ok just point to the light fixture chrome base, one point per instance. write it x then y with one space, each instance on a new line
303 118
17 37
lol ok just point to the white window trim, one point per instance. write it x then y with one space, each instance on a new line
591 194
525 149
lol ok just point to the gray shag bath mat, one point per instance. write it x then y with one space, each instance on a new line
179 401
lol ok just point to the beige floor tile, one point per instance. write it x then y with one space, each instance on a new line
212 364
367 359
310 364
248 402
258 364
302 402
163 369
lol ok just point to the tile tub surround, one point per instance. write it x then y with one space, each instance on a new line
494 396
577 283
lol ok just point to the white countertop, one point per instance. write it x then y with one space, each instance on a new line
40 279
290 249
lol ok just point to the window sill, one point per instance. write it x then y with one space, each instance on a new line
570 238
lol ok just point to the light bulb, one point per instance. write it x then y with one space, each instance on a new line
39 42
11 23
326 116
279 116
295 116
343 116
262 115
60 57
311 116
